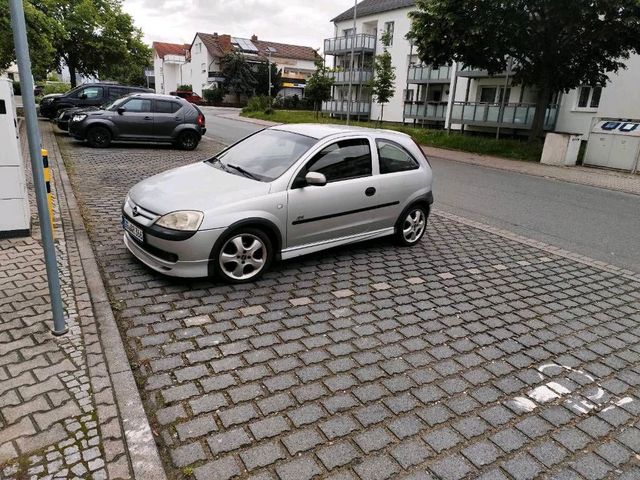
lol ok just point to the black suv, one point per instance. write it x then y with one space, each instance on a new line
88 95
141 117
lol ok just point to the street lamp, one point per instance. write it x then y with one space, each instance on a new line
270 50
353 52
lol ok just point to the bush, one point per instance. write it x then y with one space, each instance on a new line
259 103
16 88
293 103
55 87
185 88
213 95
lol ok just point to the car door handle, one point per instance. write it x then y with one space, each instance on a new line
370 192
148 118
178 119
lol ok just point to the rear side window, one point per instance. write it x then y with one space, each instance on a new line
394 158
116 92
164 106
90 93
138 105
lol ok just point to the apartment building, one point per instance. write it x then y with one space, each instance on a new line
207 51
456 96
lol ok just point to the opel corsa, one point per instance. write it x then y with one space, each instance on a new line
282 192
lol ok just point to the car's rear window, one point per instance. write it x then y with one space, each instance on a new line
265 155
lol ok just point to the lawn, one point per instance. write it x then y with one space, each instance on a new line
507 148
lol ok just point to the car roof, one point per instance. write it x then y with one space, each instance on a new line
157 96
323 130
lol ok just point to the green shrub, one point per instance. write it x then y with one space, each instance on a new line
185 88
55 87
259 103
213 95
16 88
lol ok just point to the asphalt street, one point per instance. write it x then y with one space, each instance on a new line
602 224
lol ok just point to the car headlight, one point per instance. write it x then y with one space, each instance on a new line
46 101
186 220
78 118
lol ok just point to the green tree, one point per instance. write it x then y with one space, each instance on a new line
239 77
554 45
318 87
383 83
91 37
262 79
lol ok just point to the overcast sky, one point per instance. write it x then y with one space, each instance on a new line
300 22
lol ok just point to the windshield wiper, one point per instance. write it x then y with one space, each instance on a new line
241 170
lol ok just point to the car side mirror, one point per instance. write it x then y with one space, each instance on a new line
83 96
121 110
316 178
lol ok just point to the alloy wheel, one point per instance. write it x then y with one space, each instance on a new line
414 225
243 256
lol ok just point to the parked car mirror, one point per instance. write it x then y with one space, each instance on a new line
83 96
316 178
121 110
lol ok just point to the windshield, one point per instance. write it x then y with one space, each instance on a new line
264 156
114 105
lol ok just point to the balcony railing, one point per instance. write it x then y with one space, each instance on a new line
434 111
175 59
427 73
510 115
357 77
215 76
363 43
341 107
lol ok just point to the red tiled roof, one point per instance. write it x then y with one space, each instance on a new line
219 45
163 48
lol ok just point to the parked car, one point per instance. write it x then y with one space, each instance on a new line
64 116
189 97
285 191
141 117
89 95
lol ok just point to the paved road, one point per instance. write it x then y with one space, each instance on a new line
467 356
598 223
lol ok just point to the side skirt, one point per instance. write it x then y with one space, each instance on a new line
293 252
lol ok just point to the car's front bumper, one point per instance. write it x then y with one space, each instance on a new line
188 258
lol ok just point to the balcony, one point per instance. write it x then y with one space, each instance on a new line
513 115
341 45
429 74
432 111
174 59
357 77
215 77
340 107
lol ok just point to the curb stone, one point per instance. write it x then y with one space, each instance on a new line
141 446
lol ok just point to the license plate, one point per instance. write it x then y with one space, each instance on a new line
135 231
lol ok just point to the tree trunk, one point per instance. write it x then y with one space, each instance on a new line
381 114
537 127
72 73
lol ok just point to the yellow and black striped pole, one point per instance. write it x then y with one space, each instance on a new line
47 180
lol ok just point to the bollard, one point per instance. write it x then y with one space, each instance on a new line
47 181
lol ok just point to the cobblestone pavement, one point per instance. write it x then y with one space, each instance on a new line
58 416
472 355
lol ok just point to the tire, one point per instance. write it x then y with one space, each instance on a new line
188 140
99 137
243 255
411 225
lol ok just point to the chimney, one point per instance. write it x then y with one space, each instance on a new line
254 38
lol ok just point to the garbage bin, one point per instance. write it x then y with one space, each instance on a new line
15 216
561 149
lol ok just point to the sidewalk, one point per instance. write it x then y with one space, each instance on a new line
63 410
607 179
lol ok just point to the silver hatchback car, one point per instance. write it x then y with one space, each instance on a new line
285 191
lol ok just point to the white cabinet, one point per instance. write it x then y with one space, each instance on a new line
14 204
614 144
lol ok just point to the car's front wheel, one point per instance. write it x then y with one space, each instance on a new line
411 225
243 256
99 137
188 141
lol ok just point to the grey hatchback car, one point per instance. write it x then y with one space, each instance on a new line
141 117
282 192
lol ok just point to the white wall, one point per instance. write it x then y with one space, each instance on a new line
168 75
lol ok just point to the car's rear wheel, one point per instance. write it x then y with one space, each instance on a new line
243 256
188 140
99 137
411 225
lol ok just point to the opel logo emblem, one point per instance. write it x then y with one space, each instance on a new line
135 211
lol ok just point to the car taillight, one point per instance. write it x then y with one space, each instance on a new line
200 120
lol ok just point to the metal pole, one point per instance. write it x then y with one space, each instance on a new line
407 85
269 68
504 94
24 65
353 53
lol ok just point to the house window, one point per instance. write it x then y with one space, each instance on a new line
349 32
589 97
408 95
494 94
198 47
388 28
